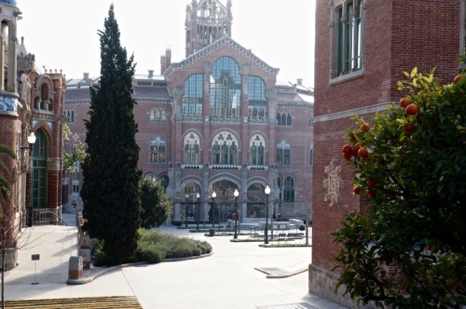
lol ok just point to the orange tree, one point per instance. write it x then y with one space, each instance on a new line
407 249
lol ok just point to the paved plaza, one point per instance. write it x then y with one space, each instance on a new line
229 278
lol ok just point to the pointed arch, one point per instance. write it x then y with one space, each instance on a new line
225 88
257 148
192 148
224 148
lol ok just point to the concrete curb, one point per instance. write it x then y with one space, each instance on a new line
95 272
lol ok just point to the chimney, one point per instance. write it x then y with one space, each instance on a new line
300 81
165 60
85 75
151 73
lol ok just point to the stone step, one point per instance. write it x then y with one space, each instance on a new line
129 302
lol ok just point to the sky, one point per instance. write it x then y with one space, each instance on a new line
62 34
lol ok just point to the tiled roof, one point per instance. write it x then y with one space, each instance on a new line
77 94
287 97
151 92
84 94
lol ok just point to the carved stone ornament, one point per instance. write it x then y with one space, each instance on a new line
333 183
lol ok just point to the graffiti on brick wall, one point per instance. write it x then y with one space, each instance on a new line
333 183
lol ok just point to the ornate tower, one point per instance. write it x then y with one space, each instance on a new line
206 22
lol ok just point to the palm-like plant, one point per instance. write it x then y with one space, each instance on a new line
4 230
4 183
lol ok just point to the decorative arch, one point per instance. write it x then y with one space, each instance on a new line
227 177
46 129
43 99
225 89
192 148
224 148
257 147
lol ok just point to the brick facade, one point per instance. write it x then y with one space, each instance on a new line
21 114
398 35
167 93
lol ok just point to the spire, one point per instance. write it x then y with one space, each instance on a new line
22 51
206 22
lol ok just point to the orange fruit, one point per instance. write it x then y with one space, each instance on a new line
347 156
362 152
370 192
409 127
457 78
356 190
365 127
411 109
404 102
371 182
347 148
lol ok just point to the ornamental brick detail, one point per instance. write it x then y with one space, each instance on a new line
333 183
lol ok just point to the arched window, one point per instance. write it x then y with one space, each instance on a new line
288 192
257 104
39 178
191 148
44 97
257 150
192 99
225 89
225 149
283 153
158 149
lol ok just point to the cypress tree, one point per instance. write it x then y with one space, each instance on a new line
111 189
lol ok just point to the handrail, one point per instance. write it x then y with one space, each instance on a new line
52 213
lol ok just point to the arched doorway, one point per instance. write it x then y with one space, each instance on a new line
224 200
191 211
256 201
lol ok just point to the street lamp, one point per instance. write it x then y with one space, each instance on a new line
186 210
213 209
198 204
236 193
267 192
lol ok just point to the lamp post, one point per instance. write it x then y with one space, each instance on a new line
198 204
213 209
31 142
236 193
267 192
186 210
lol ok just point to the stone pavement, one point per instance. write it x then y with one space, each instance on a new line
234 276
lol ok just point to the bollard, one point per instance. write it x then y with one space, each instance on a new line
85 253
75 270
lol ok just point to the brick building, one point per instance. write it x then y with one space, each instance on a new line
215 122
362 48
31 104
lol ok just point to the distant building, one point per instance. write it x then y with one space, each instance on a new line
31 103
362 48
216 121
